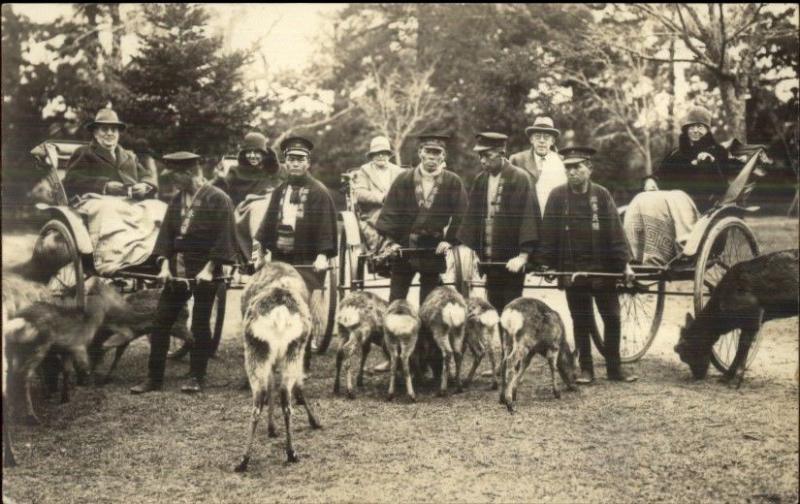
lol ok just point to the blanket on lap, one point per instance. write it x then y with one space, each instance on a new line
655 224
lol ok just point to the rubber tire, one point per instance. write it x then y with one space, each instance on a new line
59 227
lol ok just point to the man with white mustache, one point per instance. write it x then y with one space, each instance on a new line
542 161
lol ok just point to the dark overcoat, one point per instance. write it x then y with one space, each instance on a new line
515 226
244 179
208 237
91 167
610 252
315 232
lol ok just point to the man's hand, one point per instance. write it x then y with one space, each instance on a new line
115 188
207 273
321 263
140 190
164 275
650 185
516 264
442 248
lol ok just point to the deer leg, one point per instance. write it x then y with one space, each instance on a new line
117 356
366 346
258 405
8 451
339 360
66 365
477 355
551 361
406 349
272 432
504 350
349 355
286 406
458 355
443 342
30 416
393 357
313 421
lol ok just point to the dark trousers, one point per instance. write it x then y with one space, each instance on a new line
173 298
502 286
579 299
403 273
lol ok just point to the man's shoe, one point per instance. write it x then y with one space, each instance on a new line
621 376
195 386
585 378
148 386
383 367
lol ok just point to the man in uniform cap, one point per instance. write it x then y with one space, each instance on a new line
502 222
541 160
423 211
581 231
195 241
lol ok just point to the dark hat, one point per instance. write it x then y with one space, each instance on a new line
697 115
543 124
489 140
180 161
108 117
576 154
296 145
431 139
254 141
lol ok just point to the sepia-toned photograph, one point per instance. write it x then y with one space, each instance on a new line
405 252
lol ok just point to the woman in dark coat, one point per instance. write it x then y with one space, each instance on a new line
687 183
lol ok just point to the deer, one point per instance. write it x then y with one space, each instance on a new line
531 327
482 325
400 331
444 313
360 322
749 294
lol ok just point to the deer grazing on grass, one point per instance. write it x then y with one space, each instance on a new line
277 325
482 325
751 293
42 326
531 327
444 314
360 322
400 330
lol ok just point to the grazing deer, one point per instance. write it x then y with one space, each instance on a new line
400 329
360 321
277 326
66 329
751 293
482 325
444 313
120 329
532 328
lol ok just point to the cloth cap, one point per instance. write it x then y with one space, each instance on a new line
254 141
108 117
438 140
379 144
297 145
697 115
576 154
489 140
543 124
180 161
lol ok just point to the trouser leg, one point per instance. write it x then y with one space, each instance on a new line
502 287
427 282
170 304
580 308
204 295
608 306
402 274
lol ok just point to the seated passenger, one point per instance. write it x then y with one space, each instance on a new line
250 185
686 184
108 186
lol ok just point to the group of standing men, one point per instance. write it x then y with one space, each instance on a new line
425 209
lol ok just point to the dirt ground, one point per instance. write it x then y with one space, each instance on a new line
665 438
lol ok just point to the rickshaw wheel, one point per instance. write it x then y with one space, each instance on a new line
640 315
180 349
729 242
351 269
324 333
56 241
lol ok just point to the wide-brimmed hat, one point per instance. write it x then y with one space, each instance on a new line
379 144
697 115
254 141
489 140
108 117
543 124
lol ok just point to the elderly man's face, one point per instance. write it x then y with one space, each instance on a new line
297 164
107 136
542 142
578 175
254 157
431 157
492 159
183 178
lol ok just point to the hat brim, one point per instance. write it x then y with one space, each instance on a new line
379 151
297 151
573 160
94 124
530 130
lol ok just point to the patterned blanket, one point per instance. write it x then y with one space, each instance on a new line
656 223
